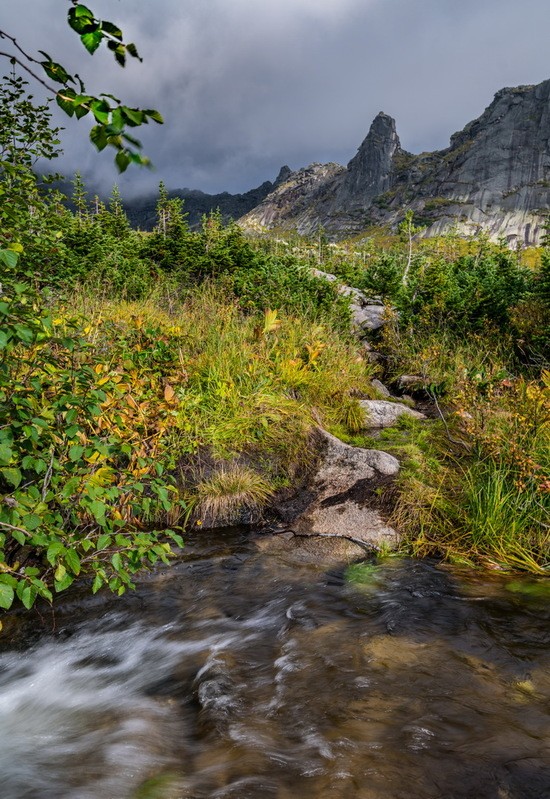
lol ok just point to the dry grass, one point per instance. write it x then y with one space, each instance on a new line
231 493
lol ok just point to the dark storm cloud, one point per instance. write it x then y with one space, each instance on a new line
247 85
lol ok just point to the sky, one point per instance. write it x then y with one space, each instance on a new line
246 86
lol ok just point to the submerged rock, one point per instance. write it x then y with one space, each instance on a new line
299 549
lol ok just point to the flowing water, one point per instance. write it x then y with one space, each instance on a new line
238 674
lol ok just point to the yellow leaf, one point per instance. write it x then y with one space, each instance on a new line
103 476
169 394
271 322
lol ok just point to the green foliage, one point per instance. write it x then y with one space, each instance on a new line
112 118
31 217
75 482
465 294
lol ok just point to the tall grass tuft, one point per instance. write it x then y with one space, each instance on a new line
233 493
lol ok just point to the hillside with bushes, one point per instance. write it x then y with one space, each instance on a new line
149 382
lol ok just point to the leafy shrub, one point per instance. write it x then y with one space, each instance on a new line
76 479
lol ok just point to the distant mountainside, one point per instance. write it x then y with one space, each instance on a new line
495 176
142 211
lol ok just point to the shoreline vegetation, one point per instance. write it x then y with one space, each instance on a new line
153 381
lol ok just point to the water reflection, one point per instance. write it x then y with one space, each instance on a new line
238 674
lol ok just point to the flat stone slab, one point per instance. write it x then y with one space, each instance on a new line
382 413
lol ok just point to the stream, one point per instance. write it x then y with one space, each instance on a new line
237 673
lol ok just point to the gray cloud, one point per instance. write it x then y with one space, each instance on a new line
247 85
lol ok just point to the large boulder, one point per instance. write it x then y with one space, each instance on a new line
342 500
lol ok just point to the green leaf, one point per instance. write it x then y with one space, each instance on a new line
133 116
98 509
64 100
101 110
92 40
62 585
176 538
119 52
31 522
116 560
80 111
122 160
75 453
6 453
27 594
7 596
24 333
31 571
73 561
19 536
12 475
154 115
99 137
83 11
132 49
54 549
9 258
111 29
60 572
56 72
43 590
104 541
80 18
98 582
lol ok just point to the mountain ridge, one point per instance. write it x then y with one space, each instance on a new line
494 176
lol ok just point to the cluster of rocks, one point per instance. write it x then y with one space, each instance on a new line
342 500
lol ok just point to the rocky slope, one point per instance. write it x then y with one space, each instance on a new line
494 176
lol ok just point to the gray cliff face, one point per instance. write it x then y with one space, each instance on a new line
495 176
370 172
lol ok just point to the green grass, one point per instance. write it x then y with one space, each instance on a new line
248 389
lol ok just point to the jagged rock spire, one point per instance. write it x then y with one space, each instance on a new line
284 173
369 171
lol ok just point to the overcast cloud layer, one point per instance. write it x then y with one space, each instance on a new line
249 85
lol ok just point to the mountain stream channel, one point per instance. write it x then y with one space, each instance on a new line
240 673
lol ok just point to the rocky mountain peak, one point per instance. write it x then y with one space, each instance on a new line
284 173
494 176
370 171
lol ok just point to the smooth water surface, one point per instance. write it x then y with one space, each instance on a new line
245 675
